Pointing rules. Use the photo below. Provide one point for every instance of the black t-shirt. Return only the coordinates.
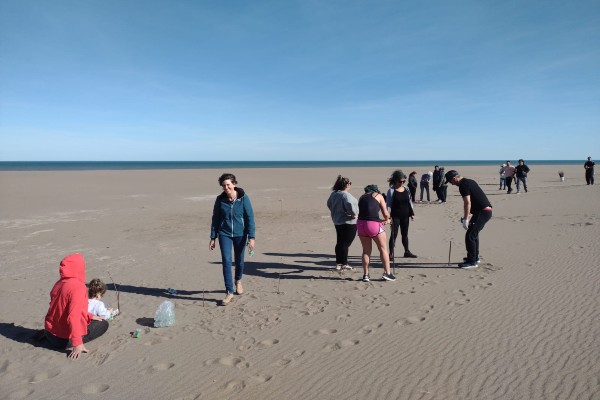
(589, 165)
(401, 204)
(479, 201)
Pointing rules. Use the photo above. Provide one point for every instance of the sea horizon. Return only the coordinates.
(149, 165)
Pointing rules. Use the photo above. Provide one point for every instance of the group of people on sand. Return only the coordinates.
(509, 172)
(368, 215)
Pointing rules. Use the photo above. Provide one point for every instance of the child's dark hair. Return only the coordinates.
(227, 176)
(96, 287)
(341, 183)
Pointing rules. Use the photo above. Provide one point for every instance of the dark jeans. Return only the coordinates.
(589, 176)
(425, 186)
(442, 193)
(522, 179)
(413, 193)
(509, 180)
(345, 236)
(476, 225)
(225, 244)
(403, 224)
(95, 330)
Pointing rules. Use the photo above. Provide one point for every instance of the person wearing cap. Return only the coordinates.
(370, 227)
(521, 171)
(399, 204)
(477, 212)
(589, 171)
(502, 178)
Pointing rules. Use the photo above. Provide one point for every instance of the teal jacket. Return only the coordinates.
(232, 219)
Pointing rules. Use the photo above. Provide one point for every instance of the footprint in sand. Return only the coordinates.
(44, 376)
(247, 344)
(369, 329)
(263, 344)
(459, 302)
(340, 345)
(287, 360)
(92, 388)
(159, 367)
(409, 321)
(229, 361)
(234, 386)
(20, 394)
(343, 317)
(322, 331)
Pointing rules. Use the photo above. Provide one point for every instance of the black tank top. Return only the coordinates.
(400, 204)
(368, 208)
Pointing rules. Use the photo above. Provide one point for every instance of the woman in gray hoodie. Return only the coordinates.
(344, 211)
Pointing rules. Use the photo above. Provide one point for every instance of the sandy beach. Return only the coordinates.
(524, 325)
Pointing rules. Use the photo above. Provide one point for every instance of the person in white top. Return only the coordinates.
(96, 289)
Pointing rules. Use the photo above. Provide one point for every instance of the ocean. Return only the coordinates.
(145, 165)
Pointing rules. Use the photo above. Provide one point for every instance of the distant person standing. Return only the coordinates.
(521, 172)
(589, 171)
(443, 188)
(477, 212)
(502, 178)
(412, 184)
(344, 211)
(425, 179)
(509, 173)
(437, 179)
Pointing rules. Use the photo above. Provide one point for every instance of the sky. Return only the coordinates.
(299, 80)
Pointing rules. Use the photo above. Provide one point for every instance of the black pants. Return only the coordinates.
(95, 330)
(442, 193)
(476, 225)
(589, 176)
(509, 180)
(345, 236)
(403, 223)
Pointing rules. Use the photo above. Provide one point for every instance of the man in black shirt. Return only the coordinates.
(589, 171)
(477, 212)
(521, 172)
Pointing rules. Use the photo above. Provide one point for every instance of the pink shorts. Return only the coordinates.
(368, 228)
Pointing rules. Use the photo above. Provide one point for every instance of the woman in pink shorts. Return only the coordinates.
(370, 227)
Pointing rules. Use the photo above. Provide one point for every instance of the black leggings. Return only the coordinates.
(95, 330)
(403, 222)
(345, 236)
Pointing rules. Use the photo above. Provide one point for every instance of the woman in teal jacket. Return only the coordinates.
(233, 224)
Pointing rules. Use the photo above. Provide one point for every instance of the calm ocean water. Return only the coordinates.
(130, 165)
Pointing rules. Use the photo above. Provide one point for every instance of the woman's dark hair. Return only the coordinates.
(396, 177)
(225, 177)
(341, 183)
(413, 173)
(95, 287)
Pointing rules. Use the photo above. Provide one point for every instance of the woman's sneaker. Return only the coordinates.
(467, 265)
(366, 278)
(388, 277)
(346, 267)
(465, 259)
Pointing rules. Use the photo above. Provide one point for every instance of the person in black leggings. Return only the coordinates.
(399, 202)
(344, 212)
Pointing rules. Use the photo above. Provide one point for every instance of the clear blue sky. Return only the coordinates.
(299, 80)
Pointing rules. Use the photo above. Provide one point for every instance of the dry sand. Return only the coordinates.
(525, 325)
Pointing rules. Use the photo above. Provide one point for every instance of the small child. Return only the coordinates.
(96, 289)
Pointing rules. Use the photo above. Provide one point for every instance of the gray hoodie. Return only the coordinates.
(343, 207)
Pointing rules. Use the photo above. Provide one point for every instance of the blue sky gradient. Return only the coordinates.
(299, 80)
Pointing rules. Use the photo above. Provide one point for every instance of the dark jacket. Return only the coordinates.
(521, 170)
(232, 219)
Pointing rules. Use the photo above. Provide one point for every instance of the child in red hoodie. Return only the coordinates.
(68, 318)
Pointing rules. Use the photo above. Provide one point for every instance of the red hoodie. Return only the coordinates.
(68, 315)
